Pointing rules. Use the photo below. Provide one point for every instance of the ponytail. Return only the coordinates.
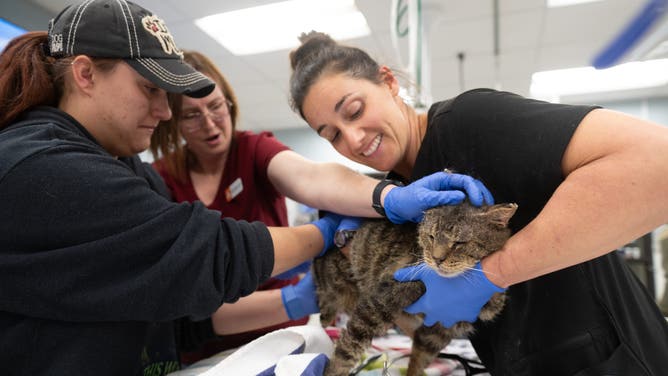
(27, 78)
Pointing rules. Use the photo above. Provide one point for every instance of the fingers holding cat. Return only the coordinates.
(408, 203)
(449, 300)
(300, 300)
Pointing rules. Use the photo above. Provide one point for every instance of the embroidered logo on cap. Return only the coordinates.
(158, 29)
(56, 43)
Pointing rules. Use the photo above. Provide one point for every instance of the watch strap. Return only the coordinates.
(375, 197)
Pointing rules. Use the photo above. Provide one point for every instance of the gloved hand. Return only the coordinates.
(290, 273)
(349, 223)
(327, 226)
(449, 300)
(408, 203)
(346, 230)
(300, 300)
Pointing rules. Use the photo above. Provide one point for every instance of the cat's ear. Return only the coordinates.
(501, 213)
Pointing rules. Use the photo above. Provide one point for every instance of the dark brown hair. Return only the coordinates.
(166, 140)
(30, 77)
(319, 54)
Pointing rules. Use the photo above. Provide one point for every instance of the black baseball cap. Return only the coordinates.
(124, 30)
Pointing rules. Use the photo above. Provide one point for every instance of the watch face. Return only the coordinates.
(341, 237)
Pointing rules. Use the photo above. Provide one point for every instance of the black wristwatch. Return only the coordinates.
(341, 237)
(375, 198)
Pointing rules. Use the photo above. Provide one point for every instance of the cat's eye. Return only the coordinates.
(459, 245)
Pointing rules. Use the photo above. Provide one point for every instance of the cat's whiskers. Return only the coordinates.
(481, 271)
(468, 277)
(419, 268)
(470, 270)
(473, 268)
(467, 271)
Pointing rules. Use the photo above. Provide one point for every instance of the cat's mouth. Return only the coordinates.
(452, 268)
(448, 273)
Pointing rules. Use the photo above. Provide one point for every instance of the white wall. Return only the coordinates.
(654, 109)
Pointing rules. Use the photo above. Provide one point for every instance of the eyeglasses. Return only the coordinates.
(193, 121)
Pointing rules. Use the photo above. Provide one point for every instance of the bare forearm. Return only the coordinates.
(568, 234)
(327, 186)
(258, 310)
(601, 205)
(294, 245)
(344, 191)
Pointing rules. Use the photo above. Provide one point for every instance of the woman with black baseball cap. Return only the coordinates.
(100, 274)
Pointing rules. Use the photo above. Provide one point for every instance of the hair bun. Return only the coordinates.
(318, 36)
(312, 42)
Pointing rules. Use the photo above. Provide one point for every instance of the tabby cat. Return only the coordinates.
(450, 239)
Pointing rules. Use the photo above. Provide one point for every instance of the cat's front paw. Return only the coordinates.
(493, 307)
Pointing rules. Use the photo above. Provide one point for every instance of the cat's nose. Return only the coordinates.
(439, 259)
(438, 255)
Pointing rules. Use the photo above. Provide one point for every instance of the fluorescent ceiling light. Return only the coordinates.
(565, 3)
(277, 26)
(550, 85)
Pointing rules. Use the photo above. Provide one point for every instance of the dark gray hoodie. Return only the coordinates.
(96, 265)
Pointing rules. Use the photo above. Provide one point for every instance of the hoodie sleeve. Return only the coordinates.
(85, 239)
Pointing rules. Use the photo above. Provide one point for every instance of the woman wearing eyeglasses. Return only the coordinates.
(228, 170)
(202, 157)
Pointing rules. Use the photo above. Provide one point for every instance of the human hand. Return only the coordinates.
(327, 226)
(300, 300)
(290, 273)
(449, 300)
(408, 203)
(346, 230)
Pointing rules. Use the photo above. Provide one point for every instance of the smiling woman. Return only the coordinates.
(567, 167)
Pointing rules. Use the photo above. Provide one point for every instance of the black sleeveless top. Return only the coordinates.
(594, 318)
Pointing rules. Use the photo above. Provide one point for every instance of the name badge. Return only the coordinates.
(234, 189)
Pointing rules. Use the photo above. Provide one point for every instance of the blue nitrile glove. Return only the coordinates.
(290, 273)
(299, 300)
(408, 203)
(449, 300)
(327, 226)
(346, 230)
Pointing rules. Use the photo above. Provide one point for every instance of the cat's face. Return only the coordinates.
(454, 238)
